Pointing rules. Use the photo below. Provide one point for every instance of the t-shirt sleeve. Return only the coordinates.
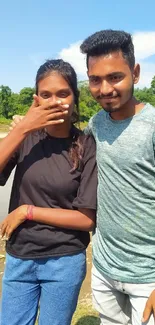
(87, 192)
(4, 175)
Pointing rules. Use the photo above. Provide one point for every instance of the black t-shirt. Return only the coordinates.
(43, 178)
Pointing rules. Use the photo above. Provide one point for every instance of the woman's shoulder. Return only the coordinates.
(87, 140)
(88, 144)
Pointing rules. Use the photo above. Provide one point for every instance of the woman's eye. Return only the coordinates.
(63, 95)
(45, 95)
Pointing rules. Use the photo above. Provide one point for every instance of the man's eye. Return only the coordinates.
(116, 78)
(94, 80)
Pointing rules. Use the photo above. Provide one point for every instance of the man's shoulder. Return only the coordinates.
(101, 114)
(97, 118)
(148, 112)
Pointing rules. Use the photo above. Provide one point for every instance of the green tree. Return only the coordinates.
(5, 96)
(153, 85)
(25, 99)
(14, 104)
(88, 105)
(145, 95)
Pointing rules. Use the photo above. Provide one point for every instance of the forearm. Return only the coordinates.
(69, 219)
(10, 144)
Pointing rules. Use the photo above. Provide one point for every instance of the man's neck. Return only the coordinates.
(130, 109)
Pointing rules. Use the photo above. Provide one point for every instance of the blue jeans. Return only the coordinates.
(53, 284)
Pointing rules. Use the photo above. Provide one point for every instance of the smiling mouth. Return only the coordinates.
(109, 98)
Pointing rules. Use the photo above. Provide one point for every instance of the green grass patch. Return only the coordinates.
(85, 315)
(83, 125)
(4, 121)
(4, 124)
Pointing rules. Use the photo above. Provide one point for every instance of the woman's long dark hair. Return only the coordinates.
(69, 74)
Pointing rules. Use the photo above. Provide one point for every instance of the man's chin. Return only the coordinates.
(112, 106)
(111, 109)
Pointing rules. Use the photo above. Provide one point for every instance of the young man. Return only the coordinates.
(123, 275)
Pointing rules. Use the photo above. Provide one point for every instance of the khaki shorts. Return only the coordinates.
(117, 302)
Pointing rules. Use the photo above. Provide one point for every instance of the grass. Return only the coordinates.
(83, 125)
(4, 121)
(85, 315)
(4, 124)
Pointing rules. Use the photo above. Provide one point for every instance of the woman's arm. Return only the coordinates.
(9, 145)
(36, 118)
(84, 219)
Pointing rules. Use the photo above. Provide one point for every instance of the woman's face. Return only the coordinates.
(55, 88)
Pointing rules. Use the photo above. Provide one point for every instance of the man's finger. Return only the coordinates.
(147, 312)
(17, 119)
(13, 124)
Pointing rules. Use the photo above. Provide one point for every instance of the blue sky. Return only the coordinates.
(32, 31)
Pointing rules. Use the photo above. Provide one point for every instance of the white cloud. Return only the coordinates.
(144, 43)
(146, 75)
(73, 55)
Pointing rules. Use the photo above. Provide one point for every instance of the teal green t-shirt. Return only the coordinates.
(124, 240)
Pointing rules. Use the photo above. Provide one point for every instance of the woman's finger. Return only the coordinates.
(3, 228)
(35, 102)
(54, 122)
(8, 232)
(57, 115)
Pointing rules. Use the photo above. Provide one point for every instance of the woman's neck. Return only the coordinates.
(59, 131)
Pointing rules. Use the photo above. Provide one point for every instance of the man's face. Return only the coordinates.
(111, 80)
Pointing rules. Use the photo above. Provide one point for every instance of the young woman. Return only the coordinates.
(52, 205)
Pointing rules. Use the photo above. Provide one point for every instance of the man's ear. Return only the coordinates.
(136, 73)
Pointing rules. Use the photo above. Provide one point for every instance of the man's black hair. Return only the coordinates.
(108, 41)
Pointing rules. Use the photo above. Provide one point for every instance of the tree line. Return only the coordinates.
(18, 103)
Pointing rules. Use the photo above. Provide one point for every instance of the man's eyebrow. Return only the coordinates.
(108, 75)
(115, 73)
(94, 76)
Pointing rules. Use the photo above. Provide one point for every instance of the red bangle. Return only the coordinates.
(29, 215)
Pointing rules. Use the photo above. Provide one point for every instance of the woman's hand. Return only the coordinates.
(40, 116)
(12, 221)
